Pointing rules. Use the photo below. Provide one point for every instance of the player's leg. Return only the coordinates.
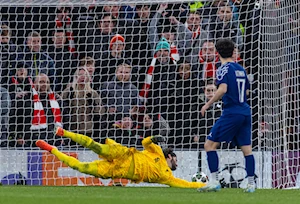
(244, 141)
(250, 167)
(211, 144)
(213, 165)
(82, 140)
(109, 151)
(212, 158)
(223, 130)
(83, 167)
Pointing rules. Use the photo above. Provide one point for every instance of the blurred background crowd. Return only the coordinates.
(120, 71)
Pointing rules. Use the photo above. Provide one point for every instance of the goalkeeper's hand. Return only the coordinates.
(157, 138)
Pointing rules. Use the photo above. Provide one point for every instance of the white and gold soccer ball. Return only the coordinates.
(200, 177)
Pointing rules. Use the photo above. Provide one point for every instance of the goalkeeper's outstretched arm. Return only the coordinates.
(180, 183)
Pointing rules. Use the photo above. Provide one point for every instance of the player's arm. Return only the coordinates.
(222, 89)
(218, 95)
(180, 183)
(148, 144)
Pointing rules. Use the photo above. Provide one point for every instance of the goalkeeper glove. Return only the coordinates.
(157, 138)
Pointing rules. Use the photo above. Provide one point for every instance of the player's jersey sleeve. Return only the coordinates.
(151, 147)
(221, 75)
(180, 183)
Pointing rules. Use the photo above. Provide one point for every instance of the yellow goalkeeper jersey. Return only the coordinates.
(150, 166)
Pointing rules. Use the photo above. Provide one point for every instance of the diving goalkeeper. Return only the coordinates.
(151, 165)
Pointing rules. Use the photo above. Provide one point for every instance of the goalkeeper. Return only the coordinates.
(150, 165)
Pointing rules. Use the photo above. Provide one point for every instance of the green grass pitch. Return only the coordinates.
(143, 195)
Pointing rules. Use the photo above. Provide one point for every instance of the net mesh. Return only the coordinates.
(279, 89)
(131, 69)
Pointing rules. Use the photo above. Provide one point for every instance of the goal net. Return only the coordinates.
(129, 69)
(279, 90)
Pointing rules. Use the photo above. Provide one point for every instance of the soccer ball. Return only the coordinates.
(200, 177)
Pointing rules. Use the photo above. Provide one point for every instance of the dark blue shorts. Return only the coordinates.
(232, 128)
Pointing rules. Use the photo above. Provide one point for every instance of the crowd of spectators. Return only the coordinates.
(123, 72)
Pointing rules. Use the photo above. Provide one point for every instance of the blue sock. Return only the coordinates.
(250, 168)
(213, 164)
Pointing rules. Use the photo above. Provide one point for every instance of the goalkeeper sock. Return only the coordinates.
(86, 142)
(213, 164)
(250, 168)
